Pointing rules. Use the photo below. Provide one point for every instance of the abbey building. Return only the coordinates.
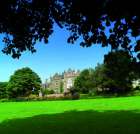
(60, 83)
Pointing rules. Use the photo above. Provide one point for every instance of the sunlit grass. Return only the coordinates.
(112, 116)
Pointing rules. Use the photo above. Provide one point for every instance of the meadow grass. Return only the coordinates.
(93, 116)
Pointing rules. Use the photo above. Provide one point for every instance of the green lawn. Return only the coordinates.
(92, 116)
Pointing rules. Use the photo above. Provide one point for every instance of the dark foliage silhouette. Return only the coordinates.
(23, 22)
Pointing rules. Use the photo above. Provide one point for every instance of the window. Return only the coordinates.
(69, 83)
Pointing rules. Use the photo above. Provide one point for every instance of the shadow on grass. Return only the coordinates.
(76, 122)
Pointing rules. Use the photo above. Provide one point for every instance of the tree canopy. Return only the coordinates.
(109, 22)
(83, 83)
(23, 82)
(3, 91)
(119, 71)
(115, 75)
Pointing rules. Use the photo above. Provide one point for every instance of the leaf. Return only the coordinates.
(138, 55)
(137, 47)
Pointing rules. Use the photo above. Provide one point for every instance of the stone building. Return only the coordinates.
(69, 77)
(63, 81)
(55, 82)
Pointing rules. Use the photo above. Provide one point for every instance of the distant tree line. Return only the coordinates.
(115, 75)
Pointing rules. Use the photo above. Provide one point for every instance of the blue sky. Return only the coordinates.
(56, 56)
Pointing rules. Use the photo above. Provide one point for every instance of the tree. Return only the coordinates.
(61, 87)
(119, 71)
(113, 22)
(116, 74)
(23, 82)
(83, 82)
(3, 89)
(90, 20)
(99, 78)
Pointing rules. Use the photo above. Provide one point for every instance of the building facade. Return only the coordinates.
(62, 82)
(55, 83)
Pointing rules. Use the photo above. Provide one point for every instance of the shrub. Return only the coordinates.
(48, 91)
(73, 92)
(4, 100)
(136, 93)
(75, 96)
(137, 88)
(58, 97)
(32, 97)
